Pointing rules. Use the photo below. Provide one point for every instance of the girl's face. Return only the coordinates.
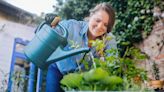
(98, 24)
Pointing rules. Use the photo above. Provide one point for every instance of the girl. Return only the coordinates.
(100, 23)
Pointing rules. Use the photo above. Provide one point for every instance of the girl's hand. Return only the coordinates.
(55, 22)
(52, 19)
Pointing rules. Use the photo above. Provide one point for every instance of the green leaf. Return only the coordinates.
(72, 80)
(113, 80)
(95, 74)
(125, 43)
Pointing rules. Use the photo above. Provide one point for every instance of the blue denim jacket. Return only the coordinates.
(78, 35)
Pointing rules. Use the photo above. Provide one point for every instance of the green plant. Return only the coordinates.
(95, 79)
(110, 73)
(3, 80)
(18, 81)
(155, 71)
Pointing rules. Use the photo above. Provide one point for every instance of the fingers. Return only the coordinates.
(55, 21)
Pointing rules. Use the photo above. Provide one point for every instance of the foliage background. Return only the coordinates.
(134, 18)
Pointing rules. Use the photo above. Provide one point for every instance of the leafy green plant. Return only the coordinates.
(134, 20)
(18, 81)
(95, 79)
(111, 73)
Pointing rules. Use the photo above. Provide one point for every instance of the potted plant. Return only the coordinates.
(156, 83)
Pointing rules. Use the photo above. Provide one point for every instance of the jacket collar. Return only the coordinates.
(84, 29)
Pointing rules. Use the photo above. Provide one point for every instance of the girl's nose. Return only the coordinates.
(100, 25)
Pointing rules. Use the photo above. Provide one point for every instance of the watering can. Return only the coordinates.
(47, 46)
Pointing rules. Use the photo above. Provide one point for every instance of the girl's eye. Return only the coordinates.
(97, 20)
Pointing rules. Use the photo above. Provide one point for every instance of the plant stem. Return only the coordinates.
(94, 88)
(92, 59)
(78, 65)
(127, 49)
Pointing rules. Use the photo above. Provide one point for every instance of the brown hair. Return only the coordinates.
(106, 7)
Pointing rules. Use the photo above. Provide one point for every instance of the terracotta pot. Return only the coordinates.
(160, 57)
(157, 84)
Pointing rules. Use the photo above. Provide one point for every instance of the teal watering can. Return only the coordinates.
(47, 46)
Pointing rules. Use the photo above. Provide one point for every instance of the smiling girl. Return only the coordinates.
(100, 23)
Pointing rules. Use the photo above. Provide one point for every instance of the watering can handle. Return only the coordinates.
(65, 31)
(39, 26)
(54, 24)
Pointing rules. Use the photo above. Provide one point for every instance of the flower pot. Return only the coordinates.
(157, 84)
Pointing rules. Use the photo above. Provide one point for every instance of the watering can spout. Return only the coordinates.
(60, 54)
